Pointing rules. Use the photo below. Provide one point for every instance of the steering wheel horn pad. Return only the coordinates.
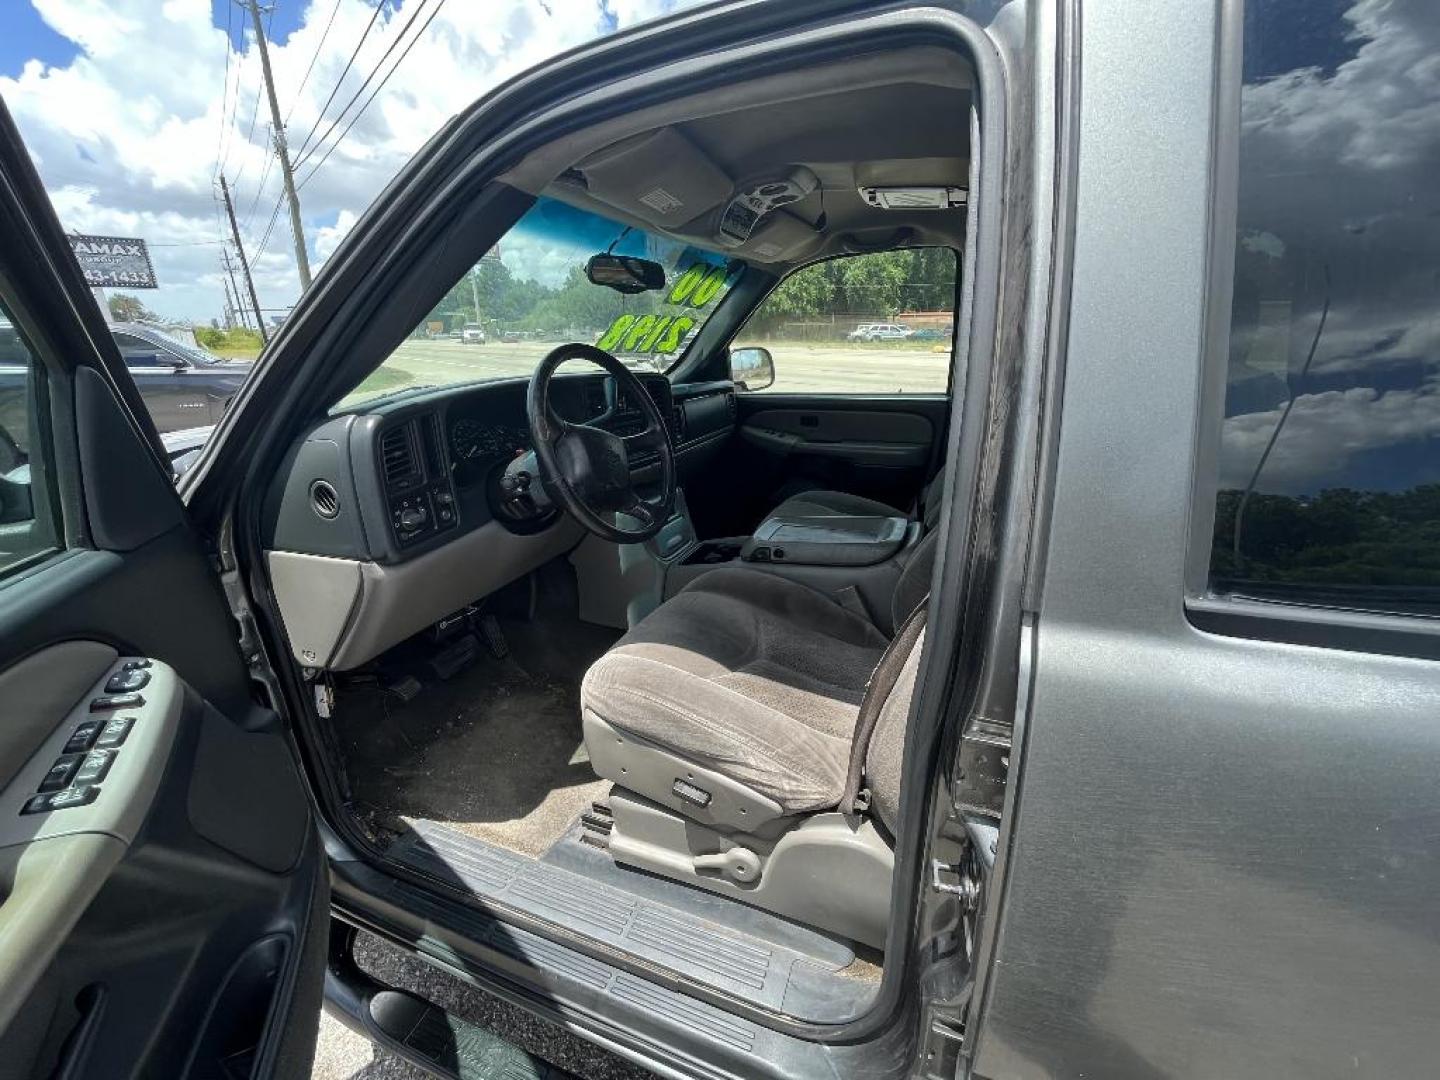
(587, 468)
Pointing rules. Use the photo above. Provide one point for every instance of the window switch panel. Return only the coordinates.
(62, 772)
(79, 795)
(94, 767)
(114, 733)
(118, 701)
(83, 737)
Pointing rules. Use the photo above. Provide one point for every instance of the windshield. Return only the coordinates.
(530, 293)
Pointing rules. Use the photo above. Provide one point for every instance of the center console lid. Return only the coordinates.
(827, 539)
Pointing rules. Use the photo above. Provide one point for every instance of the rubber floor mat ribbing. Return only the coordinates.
(761, 972)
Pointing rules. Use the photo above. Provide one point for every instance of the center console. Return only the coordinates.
(827, 539)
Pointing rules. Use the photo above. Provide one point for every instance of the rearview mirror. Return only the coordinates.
(752, 368)
(625, 273)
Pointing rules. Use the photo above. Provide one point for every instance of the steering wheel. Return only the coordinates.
(586, 468)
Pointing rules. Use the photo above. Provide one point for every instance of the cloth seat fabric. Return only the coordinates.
(749, 674)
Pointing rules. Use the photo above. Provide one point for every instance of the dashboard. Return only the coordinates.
(391, 517)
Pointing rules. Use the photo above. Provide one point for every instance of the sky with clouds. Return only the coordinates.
(1339, 212)
(127, 108)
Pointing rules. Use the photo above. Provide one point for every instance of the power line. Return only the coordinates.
(320, 116)
(318, 48)
(225, 91)
(375, 71)
(418, 35)
(259, 190)
(270, 228)
(234, 111)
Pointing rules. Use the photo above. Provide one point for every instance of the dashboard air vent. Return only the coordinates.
(324, 499)
(397, 456)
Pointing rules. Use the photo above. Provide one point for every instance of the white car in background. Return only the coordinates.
(879, 332)
(473, 334)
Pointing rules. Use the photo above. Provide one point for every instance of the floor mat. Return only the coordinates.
(494, 752)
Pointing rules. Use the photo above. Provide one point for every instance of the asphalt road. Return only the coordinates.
(799, 368)
(340, 1054)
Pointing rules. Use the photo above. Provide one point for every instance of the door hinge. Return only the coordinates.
(251, 646)
(944, 1041)
(983, 768)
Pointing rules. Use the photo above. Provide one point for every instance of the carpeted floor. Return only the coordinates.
(494, 751)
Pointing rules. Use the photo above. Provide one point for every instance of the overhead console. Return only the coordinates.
(664, 179)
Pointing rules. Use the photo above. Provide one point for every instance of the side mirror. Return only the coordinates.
(752, 368)
(625, 273)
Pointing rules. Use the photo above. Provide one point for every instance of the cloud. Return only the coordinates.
(126, 135)
(1339, 206)
(1328, 435)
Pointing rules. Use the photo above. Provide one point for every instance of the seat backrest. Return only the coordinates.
(914, 583)
(886, 748)
(931, 499)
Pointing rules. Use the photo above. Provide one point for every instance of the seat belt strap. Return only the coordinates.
(877, 692)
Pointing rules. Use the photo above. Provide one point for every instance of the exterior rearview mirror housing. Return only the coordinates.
(752, 368)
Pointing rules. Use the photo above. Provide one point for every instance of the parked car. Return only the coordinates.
(1074, 718)
(473, 334)
(879, 332)
(182, 385)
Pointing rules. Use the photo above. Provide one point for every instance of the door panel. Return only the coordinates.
(163, 894)
(883, 448)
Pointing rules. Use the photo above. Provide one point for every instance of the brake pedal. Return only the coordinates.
(494, 637)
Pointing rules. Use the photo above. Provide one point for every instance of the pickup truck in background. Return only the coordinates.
(182, 385)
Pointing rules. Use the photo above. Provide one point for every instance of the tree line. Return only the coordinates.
(1341, 537)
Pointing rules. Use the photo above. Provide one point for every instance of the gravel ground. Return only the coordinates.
(340, 1054)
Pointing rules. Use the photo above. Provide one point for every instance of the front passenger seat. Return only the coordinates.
(735, 702)
(753, 730)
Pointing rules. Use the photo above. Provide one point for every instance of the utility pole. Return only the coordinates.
(232, 293)
(229, 307)
(244, 265)
(301, 259)
(475, 294)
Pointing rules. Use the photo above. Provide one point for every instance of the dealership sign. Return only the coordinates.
(114, 262)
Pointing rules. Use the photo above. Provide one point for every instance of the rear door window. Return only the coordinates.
(1329, 485)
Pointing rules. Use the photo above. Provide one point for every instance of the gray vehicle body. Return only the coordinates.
(1147, 828)
(183, 386)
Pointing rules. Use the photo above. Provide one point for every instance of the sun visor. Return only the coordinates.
(659, 177)
(780, 237)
